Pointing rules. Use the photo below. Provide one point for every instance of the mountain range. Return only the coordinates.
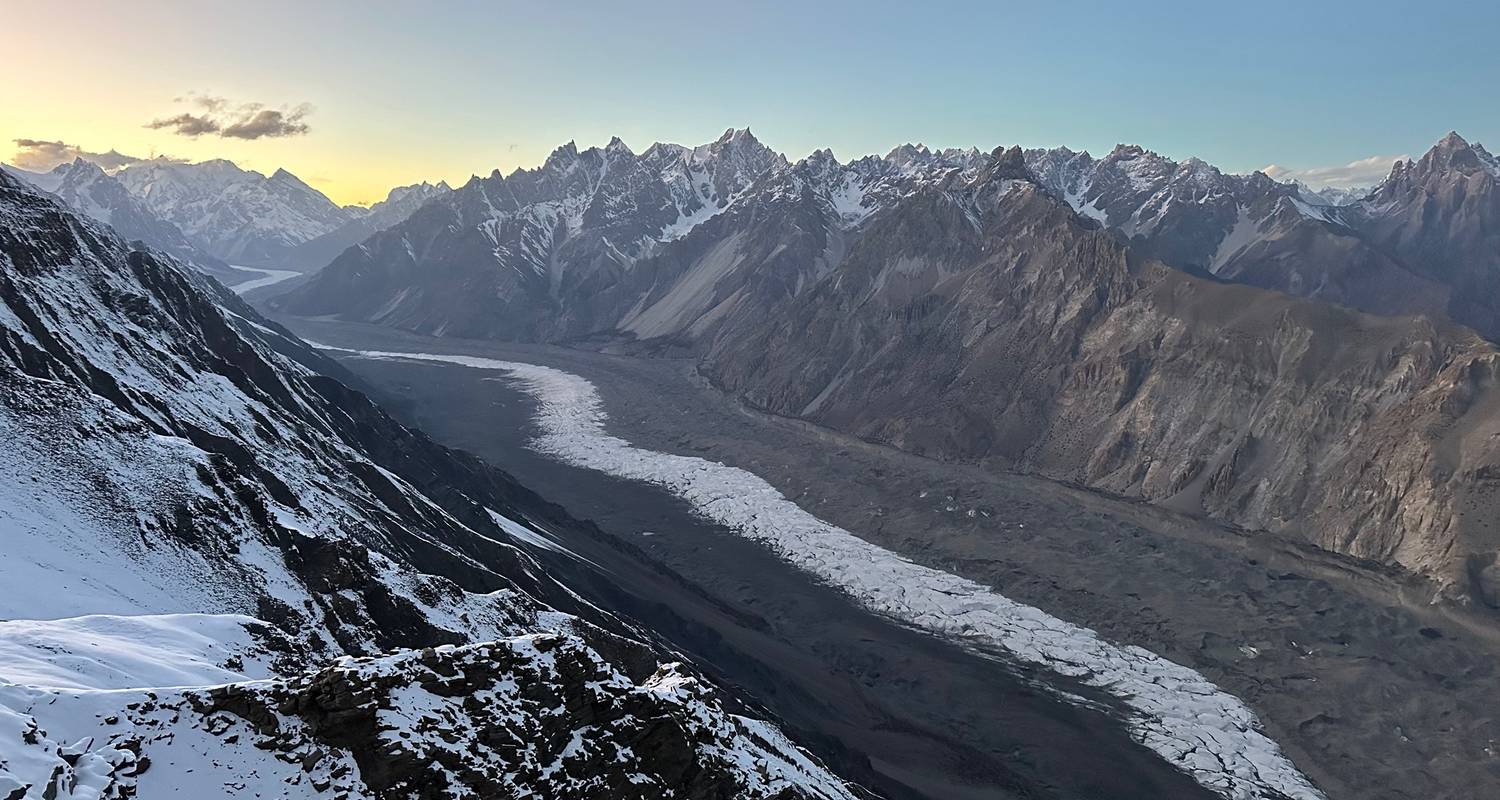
(88, 189)
(1222, 344)
(213, 213)
(228, 573)
(239, 215)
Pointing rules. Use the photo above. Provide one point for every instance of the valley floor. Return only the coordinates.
(1371, 695)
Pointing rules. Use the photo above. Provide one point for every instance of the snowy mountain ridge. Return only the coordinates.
(238, 215)
(94, 192)
(196, 517)
(399, 204)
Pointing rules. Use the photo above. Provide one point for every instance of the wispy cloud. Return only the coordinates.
(229, 120)
(40, 155)
(1355, 174)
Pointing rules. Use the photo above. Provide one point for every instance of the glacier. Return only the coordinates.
(1173, 710)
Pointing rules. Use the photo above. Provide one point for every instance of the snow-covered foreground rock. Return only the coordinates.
(1174, 711)
(541, 715)
(223, 573)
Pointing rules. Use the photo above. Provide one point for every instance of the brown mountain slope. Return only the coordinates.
(989, 322)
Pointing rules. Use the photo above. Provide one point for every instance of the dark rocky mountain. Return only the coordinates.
(170, 451)
(509, 255)
(1423, 241)
(235, 214)
(1440, 215)
(315, 254)
(1043, 311)
(986, 321)
(86, 187)
(1244, 228)
(602, 240)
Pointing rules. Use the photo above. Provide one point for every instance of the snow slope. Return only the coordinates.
(225, 574)
(126, 652)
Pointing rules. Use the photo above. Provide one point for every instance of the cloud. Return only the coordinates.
(40, 155)
(269, 122)
(234, 121)
(206, 101)
(186, 125)
(1356, 174)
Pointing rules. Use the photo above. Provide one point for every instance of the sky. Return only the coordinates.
(357, 97)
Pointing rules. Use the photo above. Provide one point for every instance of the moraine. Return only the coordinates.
(1169, 709)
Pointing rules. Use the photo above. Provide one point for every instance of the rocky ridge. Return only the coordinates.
(170, 450)
(1045, 311)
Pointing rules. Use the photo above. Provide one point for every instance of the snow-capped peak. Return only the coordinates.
(236, 214)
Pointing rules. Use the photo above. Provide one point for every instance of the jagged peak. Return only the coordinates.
(660, 150)
(738, 136)
(822, 156)
(617, 146)
(1195, 166)
(1007, 163)
(1125, 152)
(904, 154)
(1452, 141)
(1454, 152)
(283, 175)
(564, 152)
(79, 166)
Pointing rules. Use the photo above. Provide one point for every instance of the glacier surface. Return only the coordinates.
(1174, 711)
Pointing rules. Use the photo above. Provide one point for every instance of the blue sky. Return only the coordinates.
(406, 91)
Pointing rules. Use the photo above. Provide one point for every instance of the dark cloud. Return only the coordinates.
(40, 155)
(186, 125)
(269, 122)
(235, 121)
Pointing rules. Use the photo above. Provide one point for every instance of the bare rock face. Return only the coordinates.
(989, 323)
(1441, 215)
(1127, 322)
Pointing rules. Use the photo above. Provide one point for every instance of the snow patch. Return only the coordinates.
(115, 652)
